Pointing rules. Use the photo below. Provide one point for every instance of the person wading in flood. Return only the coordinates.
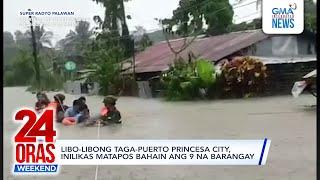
(42, 102)
(58, 106)
(109, 114)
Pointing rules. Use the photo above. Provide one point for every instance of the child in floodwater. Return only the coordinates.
(42, 102)
(109, 114)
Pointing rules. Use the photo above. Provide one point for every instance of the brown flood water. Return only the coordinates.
(289, 124)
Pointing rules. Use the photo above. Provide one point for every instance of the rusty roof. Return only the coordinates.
(159, 56)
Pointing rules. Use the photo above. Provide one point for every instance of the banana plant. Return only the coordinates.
(206, 72)
(184, 80)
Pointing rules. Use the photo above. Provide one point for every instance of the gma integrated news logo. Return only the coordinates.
(34, 143)
(283, 17)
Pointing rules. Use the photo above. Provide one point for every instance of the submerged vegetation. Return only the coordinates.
(240, 77)
(187, 81)
(243, 77)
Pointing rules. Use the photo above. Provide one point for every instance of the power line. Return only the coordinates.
(206, 1)
(130, 36)
(249, 15)
(234, 6)
(243, 5)
(155, 29)
(126, 36)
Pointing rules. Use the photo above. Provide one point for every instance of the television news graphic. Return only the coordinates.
(37, 152)
(283, 17)
(35, 143)
(162, 152)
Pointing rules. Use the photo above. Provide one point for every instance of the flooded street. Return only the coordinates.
(289, 124)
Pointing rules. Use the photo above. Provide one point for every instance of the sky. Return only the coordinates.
(142, 12)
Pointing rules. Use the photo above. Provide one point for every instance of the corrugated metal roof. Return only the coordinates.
(159, 56)
(285, 60)
(86, 71)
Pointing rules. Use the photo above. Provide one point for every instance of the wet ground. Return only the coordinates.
(290, 124)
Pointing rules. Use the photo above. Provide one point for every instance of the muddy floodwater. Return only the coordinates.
(290, 123)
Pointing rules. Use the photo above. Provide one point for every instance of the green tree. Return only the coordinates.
(9, 49)
(114, 13)
(43, 49)
(191, 15)
(310, 10)
(255, 24)
(141, 38)
(188, 81)
(75, 41)
(144, 42)
(104, 58)
(23, 71)
(43, 38)
(8, 39)
(22, 39)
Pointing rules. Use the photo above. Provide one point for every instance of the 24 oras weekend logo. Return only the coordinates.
(34, 143)
(283, 17)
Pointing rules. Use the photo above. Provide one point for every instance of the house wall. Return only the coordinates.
(154, 83)
(281, 77)
(146, 76)
(263, 48)
(283, 46)
(304, 46)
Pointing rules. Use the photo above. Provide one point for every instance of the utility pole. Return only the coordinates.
(133, 60)
(35, 54)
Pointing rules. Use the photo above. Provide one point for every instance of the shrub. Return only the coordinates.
(243, 77)
(184, 81)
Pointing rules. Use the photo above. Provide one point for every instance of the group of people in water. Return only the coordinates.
(79, 111)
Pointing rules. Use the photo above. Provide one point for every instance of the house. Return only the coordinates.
(81, 87)
(284, 55)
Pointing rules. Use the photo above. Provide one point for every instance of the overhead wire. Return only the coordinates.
(235, 6)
